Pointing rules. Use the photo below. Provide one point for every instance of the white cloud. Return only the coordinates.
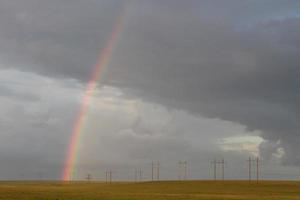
(242, 143)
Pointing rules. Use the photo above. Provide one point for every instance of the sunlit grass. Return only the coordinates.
(228, 190)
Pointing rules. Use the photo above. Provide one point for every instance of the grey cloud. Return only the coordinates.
(18, 95)
(247, 75)
(61, 38)
(34, 132)
(233, 60)
(123, 143)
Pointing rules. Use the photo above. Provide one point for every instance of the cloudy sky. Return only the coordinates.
(188, 80)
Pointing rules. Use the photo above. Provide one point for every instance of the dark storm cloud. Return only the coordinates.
(57, 38)
(234, 60)
(218, 68)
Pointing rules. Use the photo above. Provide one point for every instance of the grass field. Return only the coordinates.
(270, 190)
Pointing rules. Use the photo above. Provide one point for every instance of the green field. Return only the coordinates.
(157, 190)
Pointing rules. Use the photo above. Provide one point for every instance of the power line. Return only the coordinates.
(257, 169)
(88, 177)
(182, 174)
(108, 176)
(216, 165)
(256, 161)
(152, 171)
(157, 171)
(141, 175)
(135, 175)
(138, 175)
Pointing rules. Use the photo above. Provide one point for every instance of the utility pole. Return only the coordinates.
(155, 171)
(182, 175)
(152, 172)
(223, 163)
(179, 170)
(249, 168)
(158, 165)
(138, 175)
(215, 168)
(216, 165)
(184, 170)
(257, 169)
(108, 176)
(141, 175)
(89, 177)
(256, 161)
(72, 176)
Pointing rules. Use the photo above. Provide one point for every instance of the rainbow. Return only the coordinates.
(80, 121)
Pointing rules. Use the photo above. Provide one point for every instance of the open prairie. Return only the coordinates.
(226, 190)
